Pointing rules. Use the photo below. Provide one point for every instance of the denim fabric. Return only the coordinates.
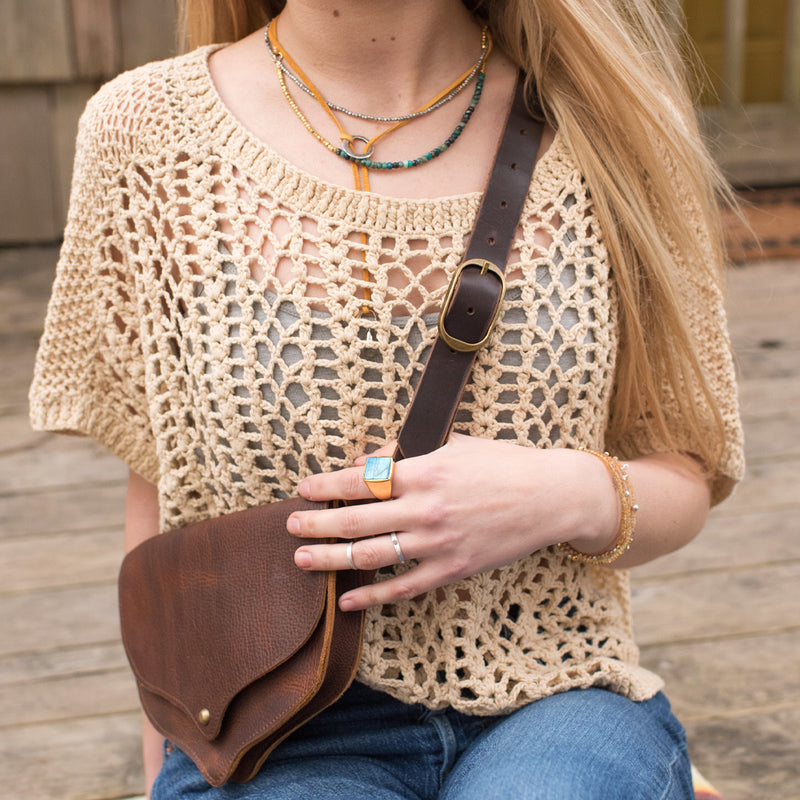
(585, 744)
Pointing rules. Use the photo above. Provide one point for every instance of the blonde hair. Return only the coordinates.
(610, 77)
(207, 21)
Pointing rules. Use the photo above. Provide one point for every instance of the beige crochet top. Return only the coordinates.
(204, 326)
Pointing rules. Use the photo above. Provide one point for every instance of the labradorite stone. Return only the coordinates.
(378, 468)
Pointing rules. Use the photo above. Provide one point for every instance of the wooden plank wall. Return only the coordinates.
(53, 56)
(55, 53)
(750, 50)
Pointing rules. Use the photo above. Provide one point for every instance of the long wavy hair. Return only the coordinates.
(612, 79)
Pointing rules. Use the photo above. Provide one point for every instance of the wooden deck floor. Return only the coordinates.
(720, 620)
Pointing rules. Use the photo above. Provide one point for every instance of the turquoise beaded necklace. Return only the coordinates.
(363, 161)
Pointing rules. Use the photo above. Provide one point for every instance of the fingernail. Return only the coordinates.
(293, 525)
(303, 559)
(304, 490)
(346, 603)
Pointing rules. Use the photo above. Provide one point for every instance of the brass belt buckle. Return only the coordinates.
(485, 267)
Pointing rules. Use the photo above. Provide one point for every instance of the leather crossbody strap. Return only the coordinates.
(474, 298)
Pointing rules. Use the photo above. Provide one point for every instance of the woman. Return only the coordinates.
(241, 314)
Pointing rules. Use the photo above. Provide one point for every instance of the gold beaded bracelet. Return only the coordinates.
(627, 523)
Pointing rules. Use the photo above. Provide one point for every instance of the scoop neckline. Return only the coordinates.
(298, 187)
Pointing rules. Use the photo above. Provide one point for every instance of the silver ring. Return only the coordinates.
(349, 555)
(357, 156)
(396, 545)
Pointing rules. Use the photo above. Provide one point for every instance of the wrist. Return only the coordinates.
(611, 509)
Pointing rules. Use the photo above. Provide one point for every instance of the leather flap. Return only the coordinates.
(222, 566)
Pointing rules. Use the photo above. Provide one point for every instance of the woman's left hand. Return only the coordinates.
(470, 506)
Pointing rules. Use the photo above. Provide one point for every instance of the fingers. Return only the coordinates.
(366, 528)
(368, 554)
(344, 484)
(376, 553)
(350, 522)
(406, 586)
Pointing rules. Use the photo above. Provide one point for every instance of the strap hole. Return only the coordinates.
(490, 240)
(513, 166)
(503, 204)
(470, 311)
(523, 132)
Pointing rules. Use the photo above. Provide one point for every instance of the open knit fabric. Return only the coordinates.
(204, 326)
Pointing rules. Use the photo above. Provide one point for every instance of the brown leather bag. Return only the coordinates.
(233, 647)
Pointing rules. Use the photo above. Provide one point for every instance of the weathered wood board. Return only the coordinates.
(719, 620)
(34, 41)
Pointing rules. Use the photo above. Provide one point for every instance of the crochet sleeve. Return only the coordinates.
(702, 300)
(89, 378)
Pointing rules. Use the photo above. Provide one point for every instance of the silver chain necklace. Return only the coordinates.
(453, 93)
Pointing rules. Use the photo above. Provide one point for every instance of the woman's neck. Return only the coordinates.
(385, 55)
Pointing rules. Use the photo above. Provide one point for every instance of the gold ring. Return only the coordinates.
(378, 476)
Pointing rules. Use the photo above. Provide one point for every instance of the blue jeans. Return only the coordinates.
(585, 744)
